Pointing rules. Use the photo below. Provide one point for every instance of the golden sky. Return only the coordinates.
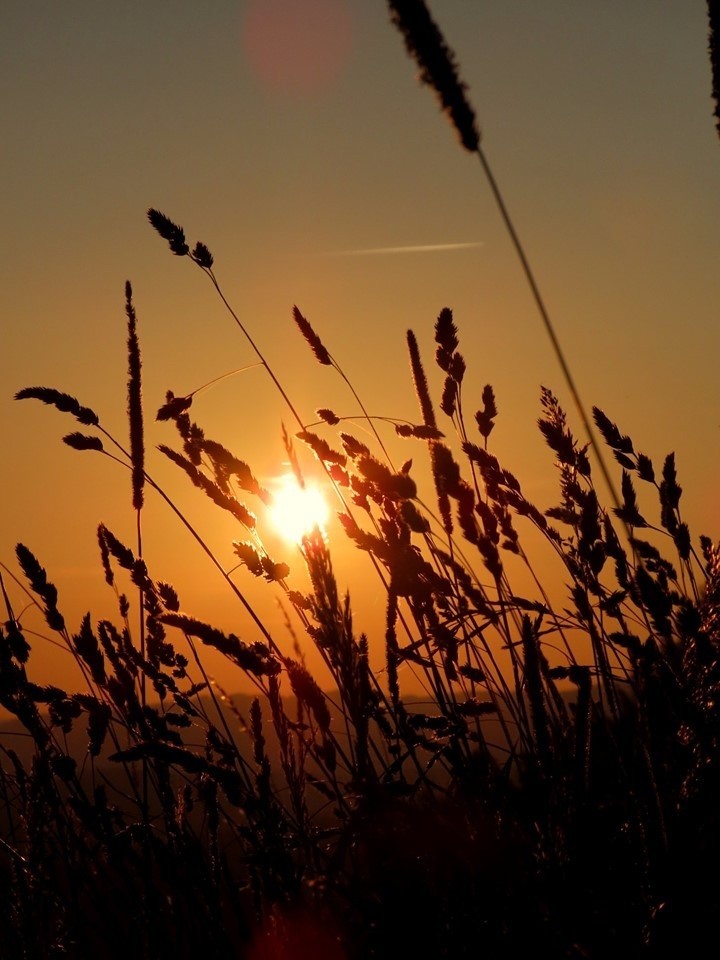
(294, 140)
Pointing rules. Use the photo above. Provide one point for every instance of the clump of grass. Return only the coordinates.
(562, 759)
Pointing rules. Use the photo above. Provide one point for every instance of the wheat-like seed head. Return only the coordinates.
(426, 45)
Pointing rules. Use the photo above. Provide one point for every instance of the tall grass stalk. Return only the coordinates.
(427, 46)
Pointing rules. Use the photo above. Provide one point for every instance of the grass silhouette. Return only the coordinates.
(555, 789)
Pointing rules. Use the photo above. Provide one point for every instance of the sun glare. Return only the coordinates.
(295, 512)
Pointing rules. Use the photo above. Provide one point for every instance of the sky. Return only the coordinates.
(294, 139)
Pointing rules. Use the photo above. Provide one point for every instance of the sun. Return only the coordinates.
(296, 511)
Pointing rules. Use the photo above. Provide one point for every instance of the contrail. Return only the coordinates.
(423, 248)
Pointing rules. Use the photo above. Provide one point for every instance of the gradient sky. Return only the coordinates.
(292, 137)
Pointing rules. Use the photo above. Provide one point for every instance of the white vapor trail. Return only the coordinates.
(422, 248)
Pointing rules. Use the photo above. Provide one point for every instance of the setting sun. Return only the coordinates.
(296, 511)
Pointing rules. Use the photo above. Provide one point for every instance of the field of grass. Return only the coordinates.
(555, 788)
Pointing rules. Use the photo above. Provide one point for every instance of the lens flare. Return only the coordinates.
(297, 49)
(296, 511)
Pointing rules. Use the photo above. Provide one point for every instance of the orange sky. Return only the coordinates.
(292, 146)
